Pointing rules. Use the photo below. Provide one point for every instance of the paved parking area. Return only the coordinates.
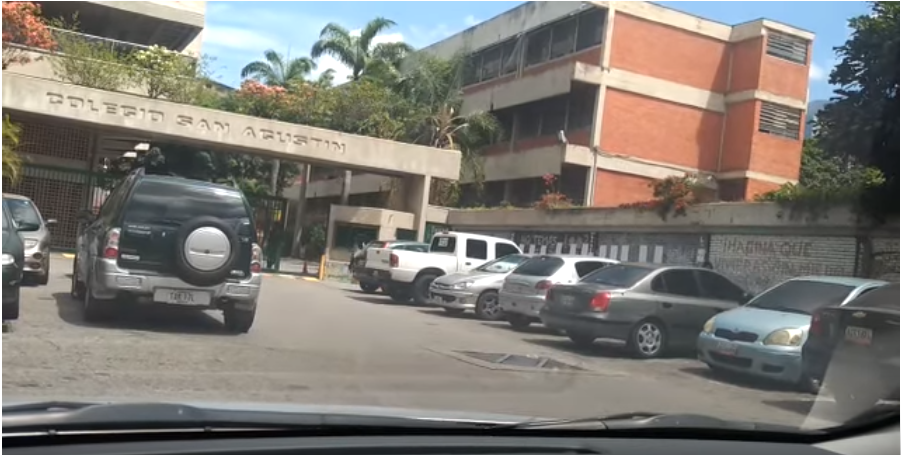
(328, 344)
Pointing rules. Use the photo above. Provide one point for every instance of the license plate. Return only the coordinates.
(726, 348)
(567, 301)
(181, 297)
(859, 335)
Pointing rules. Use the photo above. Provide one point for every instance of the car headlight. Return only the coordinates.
(708, 326)
(30, 243)
(8, 259)
(463, 285)
(784, 337)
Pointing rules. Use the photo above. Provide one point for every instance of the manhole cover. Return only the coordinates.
(521, 361)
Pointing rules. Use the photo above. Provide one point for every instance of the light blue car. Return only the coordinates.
(764, 337)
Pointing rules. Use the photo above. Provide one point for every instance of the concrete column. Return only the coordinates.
(508, 191)
(590, 181)
(345, 187)
(417, 189)
(330, 233)
(301, 207)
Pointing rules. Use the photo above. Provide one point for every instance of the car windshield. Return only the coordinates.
(618, 275)
(543, 209)
(802, 296)
(24, 213)
(505, 264)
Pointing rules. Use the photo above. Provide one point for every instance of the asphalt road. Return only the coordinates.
(327, 344)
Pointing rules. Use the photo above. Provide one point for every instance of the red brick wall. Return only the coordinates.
(612, 189)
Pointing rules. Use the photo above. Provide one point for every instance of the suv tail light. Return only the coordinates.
(600, 302)
(543, 286)
(256, 259)
(111, 249)
(394, 261)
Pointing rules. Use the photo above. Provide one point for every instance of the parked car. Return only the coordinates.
(174, 241)
(365, 276)
(476, 289)
(13, 264)
(409, 274)
(764, 337)
(651, 308)
(523, 293)
(35, 233)
(853, 349)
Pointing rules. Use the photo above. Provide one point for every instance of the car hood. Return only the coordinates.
(459, 277)
(760, 321)
(374, 411)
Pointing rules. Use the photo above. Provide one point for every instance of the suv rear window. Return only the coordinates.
(155, 201)
(540, 266)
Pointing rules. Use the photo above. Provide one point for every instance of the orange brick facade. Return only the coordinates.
(665, 126)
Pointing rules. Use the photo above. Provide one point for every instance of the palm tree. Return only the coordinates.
(357, 52)
(276, 70)
(326, 79)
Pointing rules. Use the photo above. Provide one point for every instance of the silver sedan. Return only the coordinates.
(476, 289)
(35, 233)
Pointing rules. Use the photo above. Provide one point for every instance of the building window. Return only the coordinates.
(538, 48)
(780, 120)
(528, 121)
(786, 47)
(591, 28)
(491, 63)
(581, 108)
(505, 120)
(472, 69)
(563, 38)
(511, 55)
(553, 113)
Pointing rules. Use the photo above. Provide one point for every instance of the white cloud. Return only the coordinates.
(470, 20)
(817, 73)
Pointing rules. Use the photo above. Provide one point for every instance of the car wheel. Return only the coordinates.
(581, 339)
(421, 288)
(398, 295)
(238, 320)
(95, 310)
(77, 288)
(518, 321)
(648, 339)
(11, 309)
(44, 277)
(369, 288)
(488, 307)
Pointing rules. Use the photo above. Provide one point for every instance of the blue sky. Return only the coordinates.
(239, 32)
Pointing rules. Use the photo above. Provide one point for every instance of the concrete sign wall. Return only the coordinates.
(223, 130)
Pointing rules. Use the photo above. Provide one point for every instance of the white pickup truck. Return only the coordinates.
(408, 274)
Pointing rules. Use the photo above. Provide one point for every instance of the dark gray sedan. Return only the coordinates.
(651, 308)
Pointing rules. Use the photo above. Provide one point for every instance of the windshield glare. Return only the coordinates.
(503, 265)
(801, 296)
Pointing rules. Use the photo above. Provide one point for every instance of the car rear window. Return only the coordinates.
(801, 296)
(621, 276)
(443, 244)
(155, 201)
(540, 266)
(885, 298)
(24, 213)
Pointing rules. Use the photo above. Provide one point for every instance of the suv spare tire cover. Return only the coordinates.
(207, 249)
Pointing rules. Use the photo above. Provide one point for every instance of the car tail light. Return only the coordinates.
(816, 324)
(543, 286)
(600, 302)
(256, 259)
(111, 249)
(394, 261)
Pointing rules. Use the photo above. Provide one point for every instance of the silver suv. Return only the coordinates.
(171, 241)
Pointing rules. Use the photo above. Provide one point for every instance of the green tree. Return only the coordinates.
(276, 70)
(862, 119)
(90, 62)
(358, 51)
(12, 161)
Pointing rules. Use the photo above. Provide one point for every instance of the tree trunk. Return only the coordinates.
(273, 183)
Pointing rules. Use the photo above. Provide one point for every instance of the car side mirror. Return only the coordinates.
(746, 297)
(86, 216)
(50, 222)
